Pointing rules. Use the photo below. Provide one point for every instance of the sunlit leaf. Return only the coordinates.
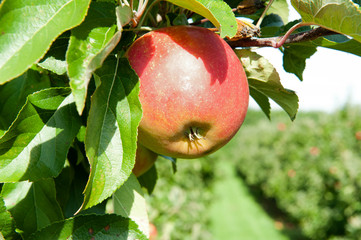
(129, 202)
(216, 11)
(342, 16)
(124, 13)
(28, 27)
(90, 43)
(36, 144)
(263, 77)
(54, 65)
(91, 227)
(7, 224)
(111, 134)
(33, 205)
(54, 59)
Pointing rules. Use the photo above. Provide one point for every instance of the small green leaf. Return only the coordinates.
(294, 58)
(129, 202)
(280, 7)
(28, 27)
(262, 101)
(111, 134)
(13, 95)
(271, 21)
(7, 225)
(90, 43)
(124, 13)
(216, 11)
(263, 77)
(342, 16)
(91, 227)
(54, 59)
(36, 144)
(54, 65)
(149, 179)
(33, 205)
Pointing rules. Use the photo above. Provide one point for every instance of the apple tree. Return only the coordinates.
(70, 107)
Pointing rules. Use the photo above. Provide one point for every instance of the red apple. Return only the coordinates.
(144, 160)
(193, 91)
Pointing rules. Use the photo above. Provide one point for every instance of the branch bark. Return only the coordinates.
(274, 41)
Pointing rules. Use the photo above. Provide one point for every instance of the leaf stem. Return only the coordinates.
(259, 22)
(140, 28)
(142, 4)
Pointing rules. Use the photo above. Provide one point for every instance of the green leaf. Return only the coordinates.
(216, 11)
(342, 16)
(350, 45)
(32, 204)
(54, 65)
(36, 144)
(54, 59)
(91, 227)
(271, 21)
(111, 134)
(63, 183)
(28, 27)
(129, 202)
(124, 13)
(90, 43)
(69, 187)
(74, 195)
(280, 7)
(263, 77)
(294, 58)
(149, 179)
(13, 95)
(262, 101)
(7, 225)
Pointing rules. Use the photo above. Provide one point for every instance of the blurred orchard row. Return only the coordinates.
(301, 179)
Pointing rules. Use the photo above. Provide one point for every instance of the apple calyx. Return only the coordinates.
(193, 134)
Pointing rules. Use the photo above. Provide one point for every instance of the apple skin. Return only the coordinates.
(193, 91)
(144, 160)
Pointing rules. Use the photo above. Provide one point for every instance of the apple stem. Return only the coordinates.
(193, 134)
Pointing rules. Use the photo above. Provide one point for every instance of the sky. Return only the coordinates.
(331, 78)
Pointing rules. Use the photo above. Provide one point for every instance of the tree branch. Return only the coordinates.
(275, 41)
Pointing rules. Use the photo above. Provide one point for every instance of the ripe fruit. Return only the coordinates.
(144, 160)
(193, 91)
